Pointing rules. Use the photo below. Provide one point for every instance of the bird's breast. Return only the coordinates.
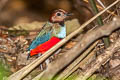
(60, 32)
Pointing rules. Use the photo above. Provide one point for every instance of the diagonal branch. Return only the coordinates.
(76, 51)
(101, 59)
(75, 65)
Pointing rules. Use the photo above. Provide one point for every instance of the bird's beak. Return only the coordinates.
(69, 14)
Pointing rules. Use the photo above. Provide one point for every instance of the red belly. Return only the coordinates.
(42, 48)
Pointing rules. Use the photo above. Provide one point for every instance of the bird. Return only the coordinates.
(53, 31)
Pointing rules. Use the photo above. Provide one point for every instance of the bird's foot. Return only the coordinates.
(47, 61)
(42, 66)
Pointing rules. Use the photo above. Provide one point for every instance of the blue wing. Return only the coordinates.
(43, 36)
(39, 41)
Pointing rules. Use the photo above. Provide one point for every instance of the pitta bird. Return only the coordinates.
(51, 33)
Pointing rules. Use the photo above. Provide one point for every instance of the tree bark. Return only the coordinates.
(76, 51)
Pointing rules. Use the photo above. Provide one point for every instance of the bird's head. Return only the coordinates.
(59, 16)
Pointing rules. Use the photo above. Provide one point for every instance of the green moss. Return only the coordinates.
(18, 32)
(97, 77)
(4, 71)
(93, 77)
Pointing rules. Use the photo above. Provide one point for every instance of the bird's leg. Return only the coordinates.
(55, 54)
(41, 65)
(47, 61)
(58, 51)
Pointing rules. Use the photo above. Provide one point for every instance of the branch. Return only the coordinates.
(75, 65)
(24, 71)
(101, 59)
(72, 54)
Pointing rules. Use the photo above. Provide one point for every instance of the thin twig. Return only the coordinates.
(99, 20)
(108, 11)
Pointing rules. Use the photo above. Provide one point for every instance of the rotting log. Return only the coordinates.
(75, 65)
(101, 59)
(88, 39)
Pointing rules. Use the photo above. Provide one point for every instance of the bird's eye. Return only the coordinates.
(58, 14)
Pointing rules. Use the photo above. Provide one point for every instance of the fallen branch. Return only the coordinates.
(77, 69)
(101, 59)
(74, 66)
(72, 54)
(114, 73)
(24, 71)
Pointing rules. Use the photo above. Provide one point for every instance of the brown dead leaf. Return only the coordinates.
(70, 44)
(114, 63)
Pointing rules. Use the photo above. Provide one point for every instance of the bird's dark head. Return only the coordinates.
(59, 16)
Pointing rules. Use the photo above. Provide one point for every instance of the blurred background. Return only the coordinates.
(13, 12)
